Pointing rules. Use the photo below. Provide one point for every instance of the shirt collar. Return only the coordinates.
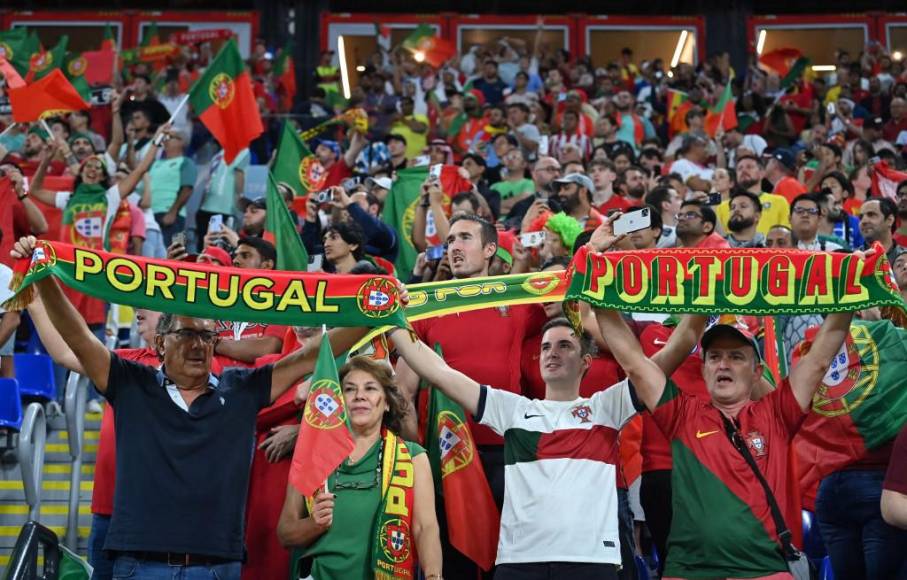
(163, 380)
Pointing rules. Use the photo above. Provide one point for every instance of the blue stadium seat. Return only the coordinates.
(35, 373)
(10, 405)
(642, 568)
(813, 545)
(825, 571)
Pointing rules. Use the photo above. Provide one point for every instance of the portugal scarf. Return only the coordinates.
(86, 221)
(393, 554)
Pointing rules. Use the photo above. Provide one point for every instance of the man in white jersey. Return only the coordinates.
(560, 496)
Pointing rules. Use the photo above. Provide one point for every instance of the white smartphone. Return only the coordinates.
(543, 145)
(632, 222)
(216, 223)
(421, 161)
(532, 239)
(315, 263)
(434, 172)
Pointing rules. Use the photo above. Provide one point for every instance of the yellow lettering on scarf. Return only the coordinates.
(257, 300)
(852, 290)
(704, 270)
(741, 279)
(778, 281)
(294, 295)
(320, 291)
(634, 278)
(162, 283)
(818, 286)
(114, 268)
(192, 277)
(214, 293)
(87, 263)
(668, 287)
(600, 274)
(470, 290)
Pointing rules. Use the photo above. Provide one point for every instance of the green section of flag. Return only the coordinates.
(795, 72)
(17, 46)
(78, 81)
(411, 42)
(56, 57)
(151, 36)
(72, 567)
(290, 152)
(291, 253)
(400, 211)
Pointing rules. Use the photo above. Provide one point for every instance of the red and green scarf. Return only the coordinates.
(393, 549)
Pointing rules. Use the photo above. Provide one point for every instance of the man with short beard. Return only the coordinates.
(28, 160)
(775, 209)
(632, 185)
(745, 213)
(696, 227)
(574, 191)
(877, 219)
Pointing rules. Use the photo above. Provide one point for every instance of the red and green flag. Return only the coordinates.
(109, 42)
(780, 60)
(45, 61)
(74, 70)
(51, 96)
(461, 482)
(13, 78)
(861, 404)
(678, 105)
(426, 46)
(296, 167)
(223, 100)
(17, 45)
(324, 440)
(723, 114)
(285, 73)
(151, 36)
(95, 67)
(280, 227)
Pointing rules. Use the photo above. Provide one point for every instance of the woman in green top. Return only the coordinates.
(350, 530)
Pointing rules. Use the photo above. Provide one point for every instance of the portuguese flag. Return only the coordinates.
(12, 76)
(434, 49)
(324, 439)
(18, 46)
(281, 228)
(151, 36)
(296, 167)
(861, 404)
(285, 73)
(223, 100)
(45, 61)
(460, 481)
(723, 114)
(74, 70)
(779, 60)
(109, 42)
(50, 96)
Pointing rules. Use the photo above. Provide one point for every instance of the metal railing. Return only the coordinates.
(30, 453)
(74, 401)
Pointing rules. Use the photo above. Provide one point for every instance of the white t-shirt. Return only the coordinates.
(6, 276)
(89, 227)
(561, 487)
(687, 169)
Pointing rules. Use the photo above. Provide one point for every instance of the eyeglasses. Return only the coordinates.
(552, 169)
(806, 211)
(187, 334)
(689, 215)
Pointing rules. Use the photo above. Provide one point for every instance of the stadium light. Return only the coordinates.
(897, 55)
(344, 74)
(824, 68)
(419, 56)
(760, 43)
(678, 50)
(360, 68)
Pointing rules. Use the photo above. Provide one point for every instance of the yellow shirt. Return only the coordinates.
(775, 212)
(415, 142)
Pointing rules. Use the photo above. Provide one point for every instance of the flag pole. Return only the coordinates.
(50, 133)
(8, 128)
(179, 108)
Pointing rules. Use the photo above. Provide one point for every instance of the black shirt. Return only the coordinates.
(182, 477)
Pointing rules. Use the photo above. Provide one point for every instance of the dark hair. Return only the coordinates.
(488, 233)
(366, 267)
(381, 371)
(603, 163)
(658, 196)
(581, 240)
(845, 183)
(478, 159)
(655, 217)
(521, 106)
(562, 261)
(105, 181)
(351, 233)
(708, 214)
(758, 161)
(740, 192)
(834, 148)
(467, 196)
(805, 197)
(586, 344)
(265, 249)
(142, 76)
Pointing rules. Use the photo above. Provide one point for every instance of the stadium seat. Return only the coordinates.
(642, 568)
(10, 405)
(825, 571)
(813, 545)
(35, 373)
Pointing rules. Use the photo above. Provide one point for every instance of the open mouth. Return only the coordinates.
(724, 380)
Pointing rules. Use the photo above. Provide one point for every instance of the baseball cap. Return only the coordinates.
(731, 331)
(259, 202)
(785, 157)
(332, 145)
(874, 123)
(217, 255)
(382, 182)
(577, 178)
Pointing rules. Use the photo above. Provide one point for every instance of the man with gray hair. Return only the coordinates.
(172, 180)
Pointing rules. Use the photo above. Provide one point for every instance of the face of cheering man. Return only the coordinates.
(186, 348)
(562, 362)
(730, 369)
(466, 251)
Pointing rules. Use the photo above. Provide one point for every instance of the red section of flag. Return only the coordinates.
(12, 76)
(51, 95)
(885, 180)
(779, 60)
(99, 66)
(237, 124)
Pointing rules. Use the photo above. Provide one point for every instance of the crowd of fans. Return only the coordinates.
(550, 143)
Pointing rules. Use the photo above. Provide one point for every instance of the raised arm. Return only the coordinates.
(37, 223)
(431, 367)
(680, 344)
(128, 184)
(291, 369)
(426, 531)
(646, 376)
(117, 136)
(806, 376)
(56, 346)
(37, 182)
(69, 323)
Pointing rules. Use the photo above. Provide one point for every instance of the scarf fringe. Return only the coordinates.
(23, 296)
